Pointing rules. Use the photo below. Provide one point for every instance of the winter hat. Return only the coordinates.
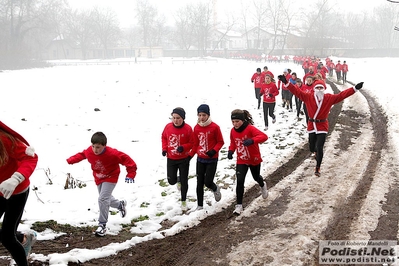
(319, 83)
(204, 108)
(180, 111)
(258, 69)
(285, 70)
(29, 150)
(238, 116)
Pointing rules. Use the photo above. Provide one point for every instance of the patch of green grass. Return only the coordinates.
(144, 205)
(141, 218)
(128, 226)
(160, 214)
(164, 194)
(163, 183)
(56, 227)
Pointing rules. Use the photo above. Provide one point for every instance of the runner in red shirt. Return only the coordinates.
(257, 80)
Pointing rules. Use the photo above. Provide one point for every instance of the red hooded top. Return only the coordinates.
(22, 158)
(105, 166)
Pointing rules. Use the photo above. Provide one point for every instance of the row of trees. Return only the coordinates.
(28, 26)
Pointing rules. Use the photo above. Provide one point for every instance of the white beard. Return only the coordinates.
(319, 94)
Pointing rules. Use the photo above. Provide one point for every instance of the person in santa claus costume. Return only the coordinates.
(318, 105)
(17, 163)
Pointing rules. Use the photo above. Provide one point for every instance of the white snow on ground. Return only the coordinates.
(53, 109)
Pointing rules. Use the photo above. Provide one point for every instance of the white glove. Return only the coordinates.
(8, 186)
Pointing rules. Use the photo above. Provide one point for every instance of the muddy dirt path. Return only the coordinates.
(355, 198)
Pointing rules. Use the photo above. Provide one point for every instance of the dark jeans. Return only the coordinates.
(268, 110)
(241, 172)
(338, 75)
(257, 95)
(298, 105)
(205, 175)
(316, 144)
(289, 99)
(344, 76)
(173, 166)
(12, 210)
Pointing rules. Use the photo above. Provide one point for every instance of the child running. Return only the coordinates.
(105, 162)
(208, 140)
(245, 139)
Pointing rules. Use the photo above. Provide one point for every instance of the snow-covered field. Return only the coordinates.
(54, 109)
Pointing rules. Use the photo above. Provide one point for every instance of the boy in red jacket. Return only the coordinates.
(105, 162)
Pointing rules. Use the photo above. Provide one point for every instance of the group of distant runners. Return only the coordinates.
(309, 93)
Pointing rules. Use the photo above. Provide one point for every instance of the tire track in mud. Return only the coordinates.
(349, 210)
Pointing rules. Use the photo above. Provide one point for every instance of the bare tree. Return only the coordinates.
(132, 37)
(316, 25)
(277, 21)
(146, 16)
(244, 18)
(259, 16)
(395, 2)
(226, 28)
(79, 29)
(185, 27)
(202, 18)
(285, 15)
(385, 18)
(159, 30)
(106, 27)
(26, 24)
(152, 25)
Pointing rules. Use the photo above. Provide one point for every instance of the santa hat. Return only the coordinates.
(29, 150)
(319, 83)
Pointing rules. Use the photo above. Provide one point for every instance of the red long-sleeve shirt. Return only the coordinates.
(173, 137)
(105, 166)
(247, 154)
(257, 79)
(207, 138)
(267, 89)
